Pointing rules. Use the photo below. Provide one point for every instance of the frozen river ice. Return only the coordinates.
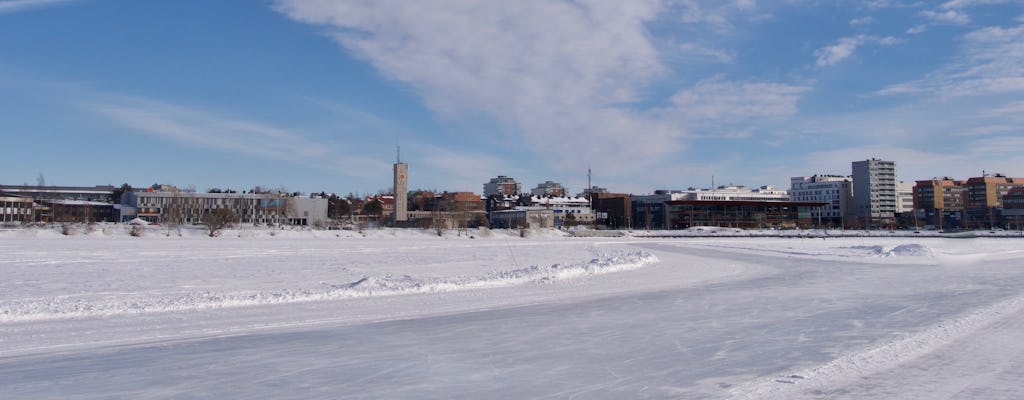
(401, 315)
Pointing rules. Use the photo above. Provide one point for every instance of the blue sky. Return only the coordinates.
(315, 95)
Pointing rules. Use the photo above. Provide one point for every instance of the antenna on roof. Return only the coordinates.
(398, 154)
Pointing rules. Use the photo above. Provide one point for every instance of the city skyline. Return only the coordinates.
(314, 96)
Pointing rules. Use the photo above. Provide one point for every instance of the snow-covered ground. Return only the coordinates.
(298, 314)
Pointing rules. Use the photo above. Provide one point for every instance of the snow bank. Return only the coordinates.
(56, 308)
(903, 250)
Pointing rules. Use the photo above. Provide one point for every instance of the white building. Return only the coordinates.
(251, 208)
(874, 190)
(905, 197)
(306, 211)
(832, 189)
(736, 193)
(563, 207)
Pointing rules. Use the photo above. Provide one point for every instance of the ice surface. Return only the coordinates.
(408, 314)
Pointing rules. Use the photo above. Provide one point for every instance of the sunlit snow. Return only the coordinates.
(298, 314)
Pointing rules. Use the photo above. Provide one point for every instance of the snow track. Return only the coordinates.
(57, 308)
(877, 358)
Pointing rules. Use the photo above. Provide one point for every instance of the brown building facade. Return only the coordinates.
(939, 202)
(983, 199)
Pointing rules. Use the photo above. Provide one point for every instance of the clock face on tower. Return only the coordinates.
(401, 176)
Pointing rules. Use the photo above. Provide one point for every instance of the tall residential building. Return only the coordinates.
(502, 185)
(834, 190)
(401, 212)
(983, 198)
(874, 190)
(549, 188)
(939, 202)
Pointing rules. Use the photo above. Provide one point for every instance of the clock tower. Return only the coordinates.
(401, 213)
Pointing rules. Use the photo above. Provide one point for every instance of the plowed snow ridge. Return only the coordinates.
(878, 357)
(57, 308)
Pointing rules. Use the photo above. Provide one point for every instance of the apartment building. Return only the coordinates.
(502, 185)
(939, 202)
(983, 199)
(874, 192)
(833, 190)
(549, 188)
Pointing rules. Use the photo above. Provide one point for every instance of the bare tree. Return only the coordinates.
(171, 217)
(217, 219)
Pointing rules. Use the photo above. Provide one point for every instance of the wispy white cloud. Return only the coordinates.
(572, 83)
(13, 6)
(917, 29)
(860, 21)
(719, 101)
(885, 4)
(991, 61)
(956, 4)
(954, 12)
(844, 48)
(561, 79)
(987, 130)
(946, 17)
(1015, 109)
(208, 131)
(717, 13)
(695, 51)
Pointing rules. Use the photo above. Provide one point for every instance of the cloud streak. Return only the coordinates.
(717, 100)
(844, 48)
(203, 130)
(991, 61)
(13, 6)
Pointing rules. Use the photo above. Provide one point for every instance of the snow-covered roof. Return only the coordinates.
(559, 200)
(77, 203)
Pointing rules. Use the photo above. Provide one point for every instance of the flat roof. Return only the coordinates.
(746, 203)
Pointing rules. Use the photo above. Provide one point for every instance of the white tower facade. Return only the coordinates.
(874, 189)
(401, 212)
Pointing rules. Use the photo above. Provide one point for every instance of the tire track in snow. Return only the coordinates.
(878, 357)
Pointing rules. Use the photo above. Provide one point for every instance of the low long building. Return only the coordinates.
(742, 214)
(251, 208)
(652, 211)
